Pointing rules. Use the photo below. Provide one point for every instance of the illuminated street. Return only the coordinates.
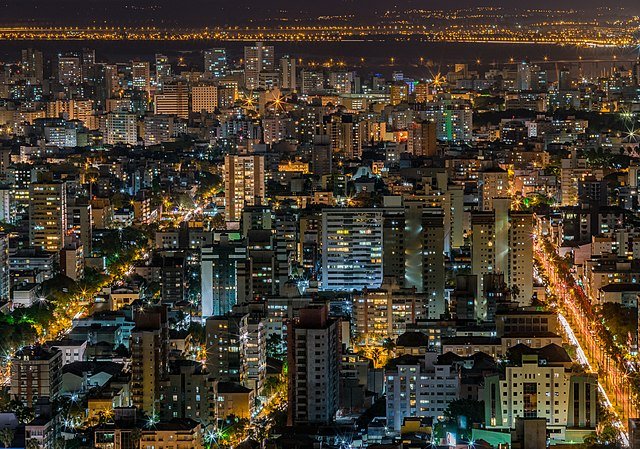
(597, 358)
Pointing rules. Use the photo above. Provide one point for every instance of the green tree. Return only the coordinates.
(24, 414)
(6, 436)
(60, 443)
(619, 320)
(217, 222)
(136, 435)
(197, 332)
(606, 436)
(472, 411)
(275, 347)
(238, 429)
(515, 292)
(389, 344)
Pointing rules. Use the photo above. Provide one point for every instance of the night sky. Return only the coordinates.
(205, 12)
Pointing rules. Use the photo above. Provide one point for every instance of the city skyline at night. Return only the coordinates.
(347, 224)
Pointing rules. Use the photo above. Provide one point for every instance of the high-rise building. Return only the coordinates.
(163, 69)
(5, 161)
(4, 267)
(158, 129)
(262, 261)
(312, 82)
(524, 76)
(483, 242)
(344, 135)
(47, 215)
(539, 81)
(286, 228)
(7, 211)
(141, 76)
(494, 295)
(149, 358)
(419, 386)
(36, 373)
(520, 277)
(493, 183)
(187, 391)
(92, 73)
(342, 82)
(502, 243)
(564, 79)
(422, 92)
(255, 347)
(457, 228)
(215, 62)
(72, 261)
(321, 156)
(275, 128)
(257, 58)
(121, 128)
(173, 100)
(80, 224)
(501, 207)
(257, 218)
(223, 276)
(288, 78)
(32, 64)
(172, 278)
(226, 337)
(111, 80)
(88, 61)
(573, 169)
(82, 110)
(20, 177)
(237, 346)
(433, 273)
(313, 359)
(463, 297)
(268, 80)
(69, 70)
(540, 383)
(204, 98)
(352, 249)
(422, 139)
(413, 252)
(399, 92)
(227, 94)
(63, 135)
(244, 184)
(384, 313)
(454, 120)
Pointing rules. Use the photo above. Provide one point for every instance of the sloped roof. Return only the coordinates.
(412, 340)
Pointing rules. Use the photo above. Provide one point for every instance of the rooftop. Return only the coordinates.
(36, 352)
(232, 387)
(620, 287)
(412, 340)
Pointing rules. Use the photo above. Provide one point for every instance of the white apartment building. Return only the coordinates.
(121, 128)
(351, 249)
(417, 386)
(540, 383)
